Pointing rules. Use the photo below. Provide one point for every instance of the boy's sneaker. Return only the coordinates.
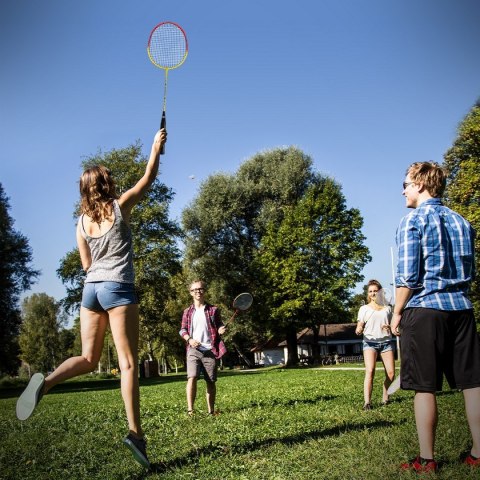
(472, 461)
(30, 397)
(420, 465)
(138, 446)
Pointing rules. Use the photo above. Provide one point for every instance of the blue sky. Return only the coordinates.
(363, 87)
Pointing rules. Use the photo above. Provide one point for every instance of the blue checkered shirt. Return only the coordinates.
(435, 257)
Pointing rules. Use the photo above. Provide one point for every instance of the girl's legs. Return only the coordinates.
(92, 329)
(370, 359)
(388, 360)
(124, 326)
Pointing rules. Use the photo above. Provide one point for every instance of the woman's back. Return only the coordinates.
(110, 244)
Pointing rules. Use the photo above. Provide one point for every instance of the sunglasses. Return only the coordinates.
(406, 184)
(197, 290)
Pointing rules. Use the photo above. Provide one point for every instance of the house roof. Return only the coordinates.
(334, 332)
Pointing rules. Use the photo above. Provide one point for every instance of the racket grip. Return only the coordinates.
(163, 124)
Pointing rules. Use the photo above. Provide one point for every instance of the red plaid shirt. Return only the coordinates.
(214, 322)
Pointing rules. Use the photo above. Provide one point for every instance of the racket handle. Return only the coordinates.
(163, 124)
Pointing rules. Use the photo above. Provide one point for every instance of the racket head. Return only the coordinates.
(394, 386)
(384, 297)
(243, 301)
(167, 45)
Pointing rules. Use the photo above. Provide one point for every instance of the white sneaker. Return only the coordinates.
(30, 397)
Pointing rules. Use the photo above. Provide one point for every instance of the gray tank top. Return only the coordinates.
(112, 253)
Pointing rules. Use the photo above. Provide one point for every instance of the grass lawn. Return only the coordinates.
(274, 424)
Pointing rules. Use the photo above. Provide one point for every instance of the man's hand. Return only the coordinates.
(395, 325)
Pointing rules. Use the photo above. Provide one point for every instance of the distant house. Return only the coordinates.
(333, 338)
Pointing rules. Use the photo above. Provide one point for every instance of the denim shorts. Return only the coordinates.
(379, 347)
(102, 296)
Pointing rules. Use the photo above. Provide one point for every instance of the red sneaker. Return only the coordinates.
(420, 465)
(472, 461)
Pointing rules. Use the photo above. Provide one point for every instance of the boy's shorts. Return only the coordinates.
(201, 361)
(434, 343)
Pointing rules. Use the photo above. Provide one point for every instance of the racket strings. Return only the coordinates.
(167, 46)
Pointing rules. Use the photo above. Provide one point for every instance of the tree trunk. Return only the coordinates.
(316, 345)
(292, 347)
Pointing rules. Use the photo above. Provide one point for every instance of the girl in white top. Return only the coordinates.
(374, 322)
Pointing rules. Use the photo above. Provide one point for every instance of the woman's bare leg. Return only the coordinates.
(370, 359)
(388, 359)
(124, 326)
(92, 329)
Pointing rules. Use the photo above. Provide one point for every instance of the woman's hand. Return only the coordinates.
(159, 140)
(359, 329)
(222, 330)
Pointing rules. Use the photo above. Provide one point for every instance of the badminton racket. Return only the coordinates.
(394, 386)
(384, 297)
(241, 302)
(167, 49)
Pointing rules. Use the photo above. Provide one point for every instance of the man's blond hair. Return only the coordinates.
(431, 175)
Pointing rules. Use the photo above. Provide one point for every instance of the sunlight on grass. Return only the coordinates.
(274, 424)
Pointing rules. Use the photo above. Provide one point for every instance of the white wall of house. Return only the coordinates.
(271, 357)
(304, 350)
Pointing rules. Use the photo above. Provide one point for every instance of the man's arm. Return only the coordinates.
(221, 328)
(402, 296)
(184, 327)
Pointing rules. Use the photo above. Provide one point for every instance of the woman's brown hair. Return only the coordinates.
(97, 191)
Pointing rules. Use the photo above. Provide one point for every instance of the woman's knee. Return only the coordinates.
(127, 365)
(91, 361)
(390, 374)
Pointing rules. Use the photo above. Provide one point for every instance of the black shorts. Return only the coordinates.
(434, 343)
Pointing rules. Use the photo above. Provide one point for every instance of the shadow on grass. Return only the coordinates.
(194, 455)
(86, 385)
(284, 402)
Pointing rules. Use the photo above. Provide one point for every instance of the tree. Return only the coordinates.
(16, 276)
(39, 337)
(462, 162)
(224, 226)
(311, 262)
(156, 253)
(227, 225)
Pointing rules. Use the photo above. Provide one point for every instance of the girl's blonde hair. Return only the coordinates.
(97, 191)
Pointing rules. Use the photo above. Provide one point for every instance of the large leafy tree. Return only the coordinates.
(462, 194)
(312, 260)
(156, 253)
(39, 339)
(224, 226)
(16, 276)
(233, 219)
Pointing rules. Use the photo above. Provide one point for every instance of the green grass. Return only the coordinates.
(274, 424)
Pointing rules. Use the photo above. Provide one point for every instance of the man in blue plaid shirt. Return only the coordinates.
(433, 313)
